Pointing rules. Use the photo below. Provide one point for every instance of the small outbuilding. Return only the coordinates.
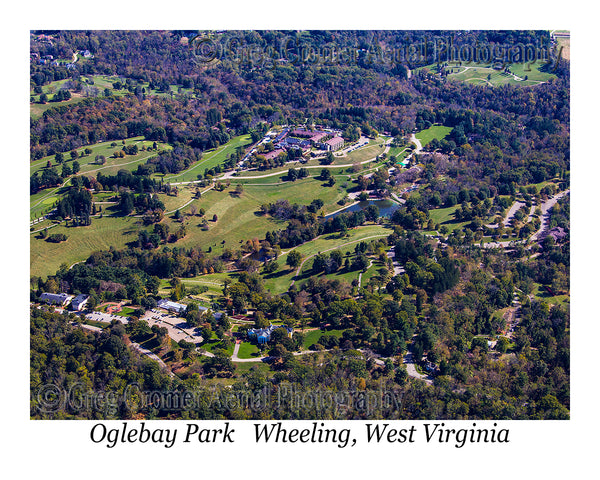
(78, 303)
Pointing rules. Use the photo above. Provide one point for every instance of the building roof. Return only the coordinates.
(79, 300)
(558, 233)
(274, 154)
(266, 332)
(169, 305)
(334, 141)
(318, 136)
(55, 297)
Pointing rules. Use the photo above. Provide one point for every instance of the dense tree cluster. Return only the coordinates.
(451, 302)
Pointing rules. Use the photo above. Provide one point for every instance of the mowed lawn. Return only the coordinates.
(435, 131)
(302, 192)
(88, 165)
(280, 281)
(46, 257)
(312, 336)
(368, 152)
(443, 215)
(487, 75)
(36, 110)
(210, 159)
(239, 218)
(334, 240)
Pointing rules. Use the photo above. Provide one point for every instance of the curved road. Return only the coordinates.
(412, 370)
(545, 207)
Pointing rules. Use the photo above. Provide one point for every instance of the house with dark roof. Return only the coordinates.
(558, 233)
(61, 299)
(281, 135)
(293, 142)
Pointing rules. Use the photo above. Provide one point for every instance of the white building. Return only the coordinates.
(79, 302)
(172, 306)
(334, 143)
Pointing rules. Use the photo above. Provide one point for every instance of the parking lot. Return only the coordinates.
(105, 317)
(177, 327)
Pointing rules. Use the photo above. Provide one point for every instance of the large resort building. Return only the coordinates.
(304, 139)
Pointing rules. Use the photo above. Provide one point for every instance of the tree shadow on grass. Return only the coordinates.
(280, 273)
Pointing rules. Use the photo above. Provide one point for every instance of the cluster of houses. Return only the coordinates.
(50, 60)
(304, 139)
(263, 335)
(77, 303)
(62, 300)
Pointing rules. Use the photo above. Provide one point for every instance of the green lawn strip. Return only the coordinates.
(238, 217)
(125, 312)
(435, 131)
(279, 175)
(540, 185)
(249, 350)
(94, 323)
(280, 281)
(486, 74)
(245, 367)
(42, 206)
(542, 294)
(363, 154)
(311, 337)
(210, 159)
(46, 257)
(50, 88)
(44, 224)
(372, 271)
(531, 71)
(443, 215)
(214, 344)
(238, 220)
(177, 202)
(334, 240)
(302, 191)
(88, 163)
(342, 274)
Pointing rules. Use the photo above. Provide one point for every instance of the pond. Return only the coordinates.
(386, 208)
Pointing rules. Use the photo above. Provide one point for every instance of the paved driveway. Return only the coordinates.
(177, 327)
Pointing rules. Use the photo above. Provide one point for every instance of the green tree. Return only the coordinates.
(66, 171)
(293, 259)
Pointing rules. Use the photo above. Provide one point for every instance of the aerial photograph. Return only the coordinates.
(299, 225)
